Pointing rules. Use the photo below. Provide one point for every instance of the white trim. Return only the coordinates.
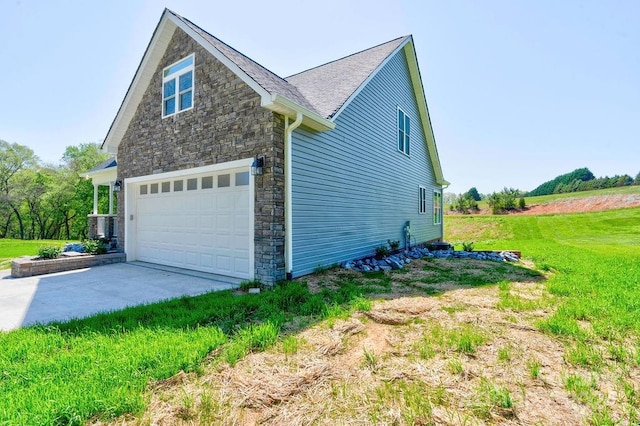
(193, 171)
(141, 79)
(176, 78)
(130, 203)
(288, 108)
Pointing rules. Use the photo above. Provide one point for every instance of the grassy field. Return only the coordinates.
(443, 341)
(544, 199)
(10, 249)
(633, 189)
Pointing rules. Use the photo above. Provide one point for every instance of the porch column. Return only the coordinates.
(95, 199)
(111, 198)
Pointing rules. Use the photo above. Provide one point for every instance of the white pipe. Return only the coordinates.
(288, 212)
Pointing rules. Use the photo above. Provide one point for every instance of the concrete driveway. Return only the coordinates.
(84, 292)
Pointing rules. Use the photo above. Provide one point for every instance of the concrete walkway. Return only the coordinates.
(84, 292)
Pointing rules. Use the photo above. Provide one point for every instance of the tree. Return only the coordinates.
(13, 159)
(76, 198)
(473, 193)
(637, 180)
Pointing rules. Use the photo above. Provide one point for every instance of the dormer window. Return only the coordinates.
(177, 87)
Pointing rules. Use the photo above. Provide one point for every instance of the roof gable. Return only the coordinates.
(276, 94)
(319, 94)
(328, 87)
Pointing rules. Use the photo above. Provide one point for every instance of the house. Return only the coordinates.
(225, 167)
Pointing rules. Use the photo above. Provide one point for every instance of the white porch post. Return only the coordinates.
(95, 199)
(111, 198)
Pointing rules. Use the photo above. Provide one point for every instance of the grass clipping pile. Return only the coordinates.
(461, 357)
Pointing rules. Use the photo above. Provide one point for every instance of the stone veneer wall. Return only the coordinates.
(226, 123)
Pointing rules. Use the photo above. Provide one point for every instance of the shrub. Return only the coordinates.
(503, 201)
(94, 247)
(394, 244)
(382, 251)
(49, 252)
(464, 203)
(467, 246)
(521, 203)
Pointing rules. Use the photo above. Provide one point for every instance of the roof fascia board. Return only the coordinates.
(150, 60)
(103, 176)
(416, 81)
(282, 105)
(368, 79)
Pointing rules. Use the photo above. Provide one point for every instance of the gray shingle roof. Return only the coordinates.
(329, 86)
(323, 89)
(265, 78)
(111, 162)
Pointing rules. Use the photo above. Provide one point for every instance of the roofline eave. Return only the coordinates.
(281, 105)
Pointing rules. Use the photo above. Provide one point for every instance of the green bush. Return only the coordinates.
(521, 203)
(465, 204)
(467, 246)
(49, 252)
(394, 244)
(503, 201)
(382, 251)
(94, 247)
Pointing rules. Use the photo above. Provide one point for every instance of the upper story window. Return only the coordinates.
(404, 129)
(177, 87)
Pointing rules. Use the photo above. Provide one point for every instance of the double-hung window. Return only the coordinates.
(437, 207)
(177, 87)
(404, 129)
(422, 200)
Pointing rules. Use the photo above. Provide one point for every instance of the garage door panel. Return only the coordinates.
(202, 229)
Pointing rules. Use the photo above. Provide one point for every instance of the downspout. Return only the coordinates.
(288, 212)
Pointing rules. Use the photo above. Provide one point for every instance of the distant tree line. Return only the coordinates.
(45, 201)
(582, 180)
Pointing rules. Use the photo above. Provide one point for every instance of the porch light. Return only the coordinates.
(117, 186)
(257, 165)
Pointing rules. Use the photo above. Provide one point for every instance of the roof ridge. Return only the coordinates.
(347, 56)
(227, 45)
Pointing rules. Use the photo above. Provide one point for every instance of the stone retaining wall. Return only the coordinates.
(29, 266)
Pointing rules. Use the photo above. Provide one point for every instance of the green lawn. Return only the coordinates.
(10, 249)
(102, 367)
(595, 257)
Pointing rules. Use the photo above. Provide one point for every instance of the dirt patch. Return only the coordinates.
(462, 357)
(594, 203)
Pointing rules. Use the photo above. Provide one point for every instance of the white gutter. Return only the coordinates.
(288, 213)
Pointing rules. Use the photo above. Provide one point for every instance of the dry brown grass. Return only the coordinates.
(400, 363)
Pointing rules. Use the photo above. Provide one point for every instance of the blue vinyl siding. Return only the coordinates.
(352, 188)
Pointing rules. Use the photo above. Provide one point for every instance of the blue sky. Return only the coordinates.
(519, 91)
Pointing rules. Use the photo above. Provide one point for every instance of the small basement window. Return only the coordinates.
(177, 87)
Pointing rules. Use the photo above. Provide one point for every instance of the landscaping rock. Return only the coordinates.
(397, 260)
(77, 247)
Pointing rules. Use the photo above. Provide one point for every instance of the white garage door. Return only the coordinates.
(200, 222)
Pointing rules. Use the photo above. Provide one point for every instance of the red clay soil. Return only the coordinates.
(594, 203)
